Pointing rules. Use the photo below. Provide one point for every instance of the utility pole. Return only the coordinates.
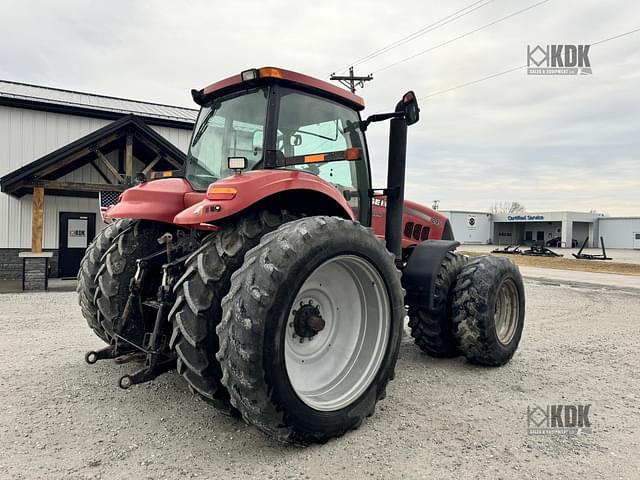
(351, 81)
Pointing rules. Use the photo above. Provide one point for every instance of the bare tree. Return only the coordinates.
(507, 207)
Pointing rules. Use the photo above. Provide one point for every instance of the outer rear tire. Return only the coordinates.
(118, 266)
(199, 294)
(89, 266)
(255, 328)
(433, 329)
(489, 309)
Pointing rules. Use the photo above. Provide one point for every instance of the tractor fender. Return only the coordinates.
(418, 277)
(158, 200)
(287, 190)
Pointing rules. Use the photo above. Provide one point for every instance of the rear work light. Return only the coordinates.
(249, 75)
(221, 193)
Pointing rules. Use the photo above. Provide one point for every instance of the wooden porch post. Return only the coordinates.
(37, 219)
(128, 156)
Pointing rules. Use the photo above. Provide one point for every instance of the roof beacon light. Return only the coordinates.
(270, 72)
(249, 75)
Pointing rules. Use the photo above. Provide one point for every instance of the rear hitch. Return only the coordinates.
(131, 341)
(157, 359)
(110, 352)
(147, 373)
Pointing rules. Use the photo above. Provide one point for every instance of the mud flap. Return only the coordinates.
(418, 278)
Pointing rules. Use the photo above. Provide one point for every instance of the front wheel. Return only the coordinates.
(311, 329)
(488, 310)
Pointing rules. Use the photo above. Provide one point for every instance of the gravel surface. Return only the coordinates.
(62, 418)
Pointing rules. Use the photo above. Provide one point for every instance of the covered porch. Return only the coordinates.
(61, 194)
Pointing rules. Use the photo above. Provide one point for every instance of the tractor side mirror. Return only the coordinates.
(411, 109)
(295, 140)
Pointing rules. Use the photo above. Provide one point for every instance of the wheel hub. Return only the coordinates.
(307, 321)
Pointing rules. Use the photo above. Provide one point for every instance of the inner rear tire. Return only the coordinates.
(433, 328)
(89, 266)
(197, 310)
(311, 391)
(117, 268)
(489, 308)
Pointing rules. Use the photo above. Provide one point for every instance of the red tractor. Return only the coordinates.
(271, 274)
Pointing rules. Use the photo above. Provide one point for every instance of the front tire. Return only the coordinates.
(330, 283)
(489, 308)
(433, 328)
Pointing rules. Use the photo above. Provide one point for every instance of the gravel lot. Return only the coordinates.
(62, 418)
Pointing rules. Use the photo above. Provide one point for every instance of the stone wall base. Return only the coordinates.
(11, 264)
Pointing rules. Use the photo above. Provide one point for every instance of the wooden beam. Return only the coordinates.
(128, 156)
(157, 150)
(150, 145)
(72, 158)
(78, 187)
(100, 172)
(152, 164)
(174, 163)
(110, 167)
(37, 219)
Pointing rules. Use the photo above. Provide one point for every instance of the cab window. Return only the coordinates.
(309, 125)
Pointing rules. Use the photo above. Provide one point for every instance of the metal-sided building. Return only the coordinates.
(561, 229)
(60, 150)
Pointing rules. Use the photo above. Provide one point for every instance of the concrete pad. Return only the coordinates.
(577, 277)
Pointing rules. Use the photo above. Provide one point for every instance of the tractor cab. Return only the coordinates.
(275, 119)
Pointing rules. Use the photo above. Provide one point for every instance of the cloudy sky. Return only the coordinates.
(551, 143)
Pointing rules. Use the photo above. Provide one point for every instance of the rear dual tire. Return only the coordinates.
(89, 266)
(266, 376)
(199, 292)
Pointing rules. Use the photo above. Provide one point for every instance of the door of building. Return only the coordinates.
(76, 232)
(636, 240)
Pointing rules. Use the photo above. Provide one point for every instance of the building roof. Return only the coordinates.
(80, 152)
(89, 104)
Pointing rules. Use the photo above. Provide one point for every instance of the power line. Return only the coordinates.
(411, 57)
(499, 74)
(462, 85)
(418, 33)
(616, 37)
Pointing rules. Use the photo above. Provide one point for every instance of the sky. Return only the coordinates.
(548, 142)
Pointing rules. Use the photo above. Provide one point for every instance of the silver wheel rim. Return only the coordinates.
(507, 311)
(330, 370)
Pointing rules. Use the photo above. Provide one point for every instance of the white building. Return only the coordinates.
(470, 227)
(58, 150)
(561, 229)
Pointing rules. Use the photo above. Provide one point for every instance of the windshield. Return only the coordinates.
(229, 127)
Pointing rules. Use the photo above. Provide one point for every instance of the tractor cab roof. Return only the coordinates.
(265, 75)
